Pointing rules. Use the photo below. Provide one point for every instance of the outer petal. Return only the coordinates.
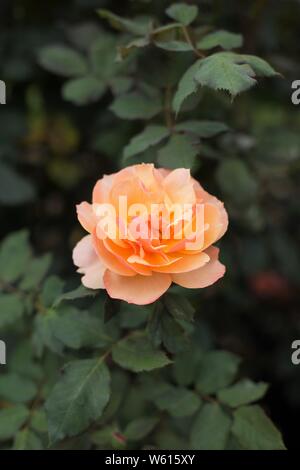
(205, 197)
(205, 276)
(86, 216)
(110, 260)
(187, 263)
(101, 192)
(139, 290)
(86, 259)
(179, 187)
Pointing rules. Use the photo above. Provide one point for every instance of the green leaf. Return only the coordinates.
(187, 86)
(108, 437)
(85, 90)
(27, 440)
(220, 38)
(11, 419)
(154, 325)
(203, 129)
(151, 135)
(236, 181)
(178, 401)
(79, 398)
(14, 188)
(45, 333)
(179, 307)
(11, 309)
(17, 389)
(242, 393)
(139, 428)
(136, 105)
(216, 371)
(137, 354)
(52, 289)
(132, 316)
(226, 71)
(120, 85)
(183, 13)
(255, 431)
(173, 335)
(15, 254)
(139, 26)
(174, 45)
(38, 421)
(139, 43)
(260, 66)
(232, 72)
(77, 329)
(186, 366)
(179, 152)
(36, 271)
(119, 388)
(211, 428)
(79, 293)
(103, 61)
(22, 361)
(63, 60)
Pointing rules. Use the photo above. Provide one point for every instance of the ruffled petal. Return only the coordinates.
(86, 259)
(179, 187)
(139, 290)
(204, 276)
(86, 216)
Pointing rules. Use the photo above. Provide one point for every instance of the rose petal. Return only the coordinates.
(101, 192)
(139, 290)
(110, 260)
(84, 253)
(86, 259)
(179, 187)
(86, 216)
(185, 264)
(202, 277)
(205, 197)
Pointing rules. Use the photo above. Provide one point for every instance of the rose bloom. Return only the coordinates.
(139, 269)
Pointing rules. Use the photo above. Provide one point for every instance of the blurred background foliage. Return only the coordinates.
(58, 135)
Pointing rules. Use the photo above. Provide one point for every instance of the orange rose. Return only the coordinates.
(136, 255)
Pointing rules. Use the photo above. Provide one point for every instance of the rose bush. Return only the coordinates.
(85, 371)
(139, 269)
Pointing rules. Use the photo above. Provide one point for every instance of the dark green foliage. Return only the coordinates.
(103, 91)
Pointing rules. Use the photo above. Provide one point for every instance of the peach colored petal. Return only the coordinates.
(86, 259)
(212, 218)
(86, 216)
(110, 261)
(202, 277)
(204, 196)
(152, 260)
(101, 192)
(212, 230)
(185, 264)
(139, 290)
(84, 253)
(122, 254)
(179, 187)
(133, 189)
